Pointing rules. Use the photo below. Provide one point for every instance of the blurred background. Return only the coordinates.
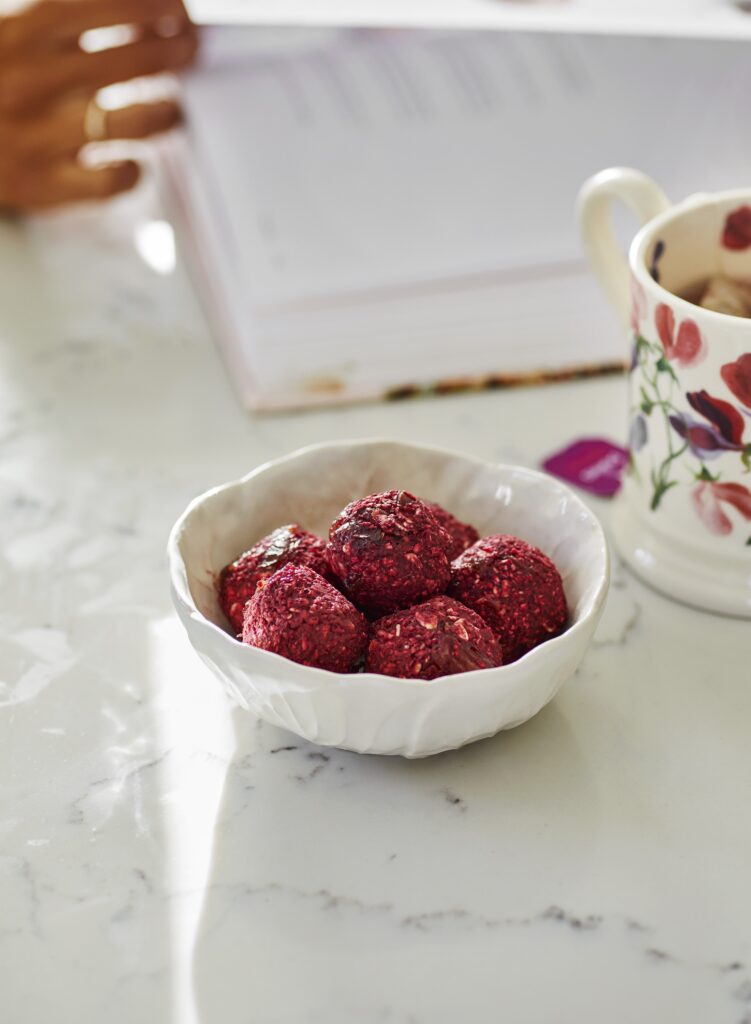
(368, 200)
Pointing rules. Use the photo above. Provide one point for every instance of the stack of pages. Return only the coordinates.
(368, 213)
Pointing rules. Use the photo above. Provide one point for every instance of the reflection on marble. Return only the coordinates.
(166, 860)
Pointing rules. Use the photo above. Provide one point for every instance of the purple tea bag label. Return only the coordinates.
(592, 463)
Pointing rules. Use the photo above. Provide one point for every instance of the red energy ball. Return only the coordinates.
(515, 588)
(389, 551)
(461, 534)
(437, 638)
(297, 614)
(288, 544)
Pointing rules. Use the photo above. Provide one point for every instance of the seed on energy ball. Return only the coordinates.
(288, 544)
(515, 588)
(389, 551)
(298, 614)
(461, 534)
(437, 638)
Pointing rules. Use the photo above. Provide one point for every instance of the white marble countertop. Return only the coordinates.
(164, 860)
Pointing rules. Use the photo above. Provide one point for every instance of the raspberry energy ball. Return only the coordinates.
(461, 534)
(515, 588)
(389, 552)
(437, 638)
(288, 544)
(297, 614)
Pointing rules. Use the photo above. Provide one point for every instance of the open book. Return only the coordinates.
(370, 213)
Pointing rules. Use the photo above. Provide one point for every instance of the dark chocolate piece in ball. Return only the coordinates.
(287, 545)
(389, 552)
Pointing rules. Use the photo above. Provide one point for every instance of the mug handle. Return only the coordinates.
(640, 194)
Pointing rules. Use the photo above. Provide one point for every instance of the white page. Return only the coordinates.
(363, 348)
(360, 297)
(389, 159)
(400, 158)
(688, 18)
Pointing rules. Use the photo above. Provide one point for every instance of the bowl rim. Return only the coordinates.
(314, 678)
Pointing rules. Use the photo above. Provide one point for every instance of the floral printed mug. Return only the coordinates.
(683, 518)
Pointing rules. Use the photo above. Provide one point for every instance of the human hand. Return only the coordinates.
(48, 84)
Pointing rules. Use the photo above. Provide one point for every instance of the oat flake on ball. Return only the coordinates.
(288, 544)
(437, 638)
(389, 551)
(297, 614)
(515, 588)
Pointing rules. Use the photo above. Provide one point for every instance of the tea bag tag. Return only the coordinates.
(592, 463)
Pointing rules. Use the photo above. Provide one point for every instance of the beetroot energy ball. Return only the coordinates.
(436, 638)
(297, 614)
(238, 581)
(461, 534)
(389, 551)
(515, 588)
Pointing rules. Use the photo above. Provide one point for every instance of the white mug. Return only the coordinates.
(683, 517)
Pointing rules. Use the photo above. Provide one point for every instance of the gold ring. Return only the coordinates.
(95, 122)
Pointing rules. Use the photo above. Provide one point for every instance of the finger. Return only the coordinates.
(24, 86)
(140, 120)
(46, 24)
(65, 132)
(69, 181)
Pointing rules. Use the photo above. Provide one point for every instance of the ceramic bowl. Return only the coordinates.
(366, 712)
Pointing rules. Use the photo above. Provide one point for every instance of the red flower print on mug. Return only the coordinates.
(736, 234)
(687, 347)
(737, 376)
(709, 496)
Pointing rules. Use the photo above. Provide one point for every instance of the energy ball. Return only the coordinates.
(461, 534)
(389, 552)
(437, 638)
(515, 588)
(288, 544)
(298, 614)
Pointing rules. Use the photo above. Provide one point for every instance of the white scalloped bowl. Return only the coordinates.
(366, 712)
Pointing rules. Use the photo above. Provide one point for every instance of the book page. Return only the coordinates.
(721, 19)
(391, 159)
(375, 162)
(373, 210)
